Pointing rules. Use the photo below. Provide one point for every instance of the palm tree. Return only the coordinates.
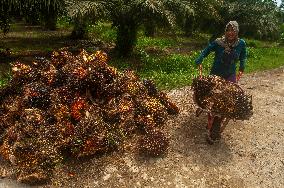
(46, 11)
(84, 13)
(49, 11)
(127, 15)
(4, 17)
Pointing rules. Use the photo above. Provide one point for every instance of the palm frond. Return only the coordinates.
(87, 8)
(154, 9)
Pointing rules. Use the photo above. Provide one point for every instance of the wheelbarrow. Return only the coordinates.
(221, 99)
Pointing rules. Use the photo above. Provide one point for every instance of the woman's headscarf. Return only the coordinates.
(234, 24)
(224, 42)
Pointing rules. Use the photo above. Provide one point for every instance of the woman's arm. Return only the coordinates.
(243, 57)
(205, 52)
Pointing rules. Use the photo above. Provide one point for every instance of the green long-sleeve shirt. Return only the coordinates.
(221, 68)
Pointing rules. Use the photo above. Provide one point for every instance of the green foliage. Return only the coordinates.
(49, 12)
(169, 71)
(257, 18)
(172, 71)
(104, 30)
(208, 17)
(4, 81)
(80, 29)
(282, 34)
(127, 16)
(261, 43)
(5, 74)
(64, 22)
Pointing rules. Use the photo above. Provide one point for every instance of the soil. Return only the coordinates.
(250, 153)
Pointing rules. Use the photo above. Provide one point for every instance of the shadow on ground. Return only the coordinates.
(190, 140)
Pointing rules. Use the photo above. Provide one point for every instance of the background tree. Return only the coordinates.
(84, 13)
(281, 7)
(166, 19)
(49, 12)
(257, 18)
(128, 15)
(45, 12)
(193, 13)
(5, 12)
(185, 13)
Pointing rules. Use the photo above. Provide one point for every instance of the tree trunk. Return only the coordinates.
(4, 23)
(126, 38)
(150, 28)
(50, 19)
(80, 30)
(188, 26)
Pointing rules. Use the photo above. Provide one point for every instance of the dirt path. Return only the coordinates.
(250, 154)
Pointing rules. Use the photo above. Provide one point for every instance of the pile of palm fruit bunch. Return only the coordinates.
(76, 106)
(221, 97)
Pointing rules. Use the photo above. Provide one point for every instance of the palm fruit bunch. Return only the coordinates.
(76, 106)
(36, 94)
(222, 97)
(31, 145)
(154, 143)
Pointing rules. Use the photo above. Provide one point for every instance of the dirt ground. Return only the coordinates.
(250, 153)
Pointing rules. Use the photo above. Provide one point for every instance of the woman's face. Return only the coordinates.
(230, 33)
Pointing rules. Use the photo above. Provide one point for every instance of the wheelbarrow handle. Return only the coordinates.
(200, 71)
(239, 75)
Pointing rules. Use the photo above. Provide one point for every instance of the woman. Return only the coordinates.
(228, 51)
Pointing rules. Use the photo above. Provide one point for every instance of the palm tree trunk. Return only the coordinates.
(150, 28)
(50, 19)
(189, 26)
(80, 29)
(126, 38)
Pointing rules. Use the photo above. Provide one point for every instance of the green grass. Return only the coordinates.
(168, 72)
(260, 44)
(161, 43)
(174, 70)
(260, 59)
